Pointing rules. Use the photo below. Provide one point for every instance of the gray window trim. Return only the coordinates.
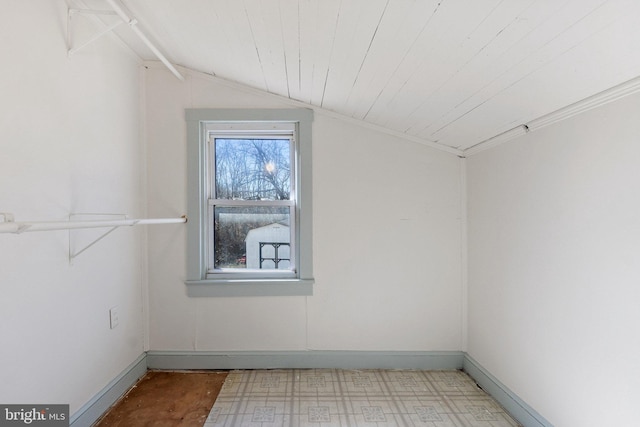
(197, 283)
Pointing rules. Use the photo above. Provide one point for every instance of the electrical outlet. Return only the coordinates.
(113, 317)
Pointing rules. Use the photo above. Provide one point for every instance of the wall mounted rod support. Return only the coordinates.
(132, 23)
(17, 227)
(95, 37)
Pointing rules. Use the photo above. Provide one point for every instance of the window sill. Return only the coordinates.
(249, 287)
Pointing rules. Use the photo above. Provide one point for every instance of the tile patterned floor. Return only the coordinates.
(366, 398)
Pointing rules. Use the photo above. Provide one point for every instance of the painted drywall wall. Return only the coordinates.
(69, 142)
(386, 239)
(554, 266)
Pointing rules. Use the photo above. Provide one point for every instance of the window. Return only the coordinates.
(249, 178)
(251, 199)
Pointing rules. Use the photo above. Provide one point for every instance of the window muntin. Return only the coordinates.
(252, 176)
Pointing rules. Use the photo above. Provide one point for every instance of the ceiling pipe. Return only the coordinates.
(606, 96)
(133, 24)
(496, 140)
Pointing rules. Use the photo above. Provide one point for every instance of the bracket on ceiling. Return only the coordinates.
(124, 18)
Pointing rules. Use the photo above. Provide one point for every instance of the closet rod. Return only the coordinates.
(22, 226)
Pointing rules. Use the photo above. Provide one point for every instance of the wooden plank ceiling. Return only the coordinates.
(454, 72)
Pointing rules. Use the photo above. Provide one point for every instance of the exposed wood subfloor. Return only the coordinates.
(163, 398)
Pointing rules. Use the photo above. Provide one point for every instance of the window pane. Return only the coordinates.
(252, 237)
(252, 169)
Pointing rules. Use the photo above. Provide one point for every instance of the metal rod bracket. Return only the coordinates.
(72, 235)
(124, 18)
(8, 225)
(71, 12)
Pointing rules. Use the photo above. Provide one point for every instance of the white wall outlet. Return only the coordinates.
(113, 317)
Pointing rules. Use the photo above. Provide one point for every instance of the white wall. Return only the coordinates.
(69, 142)
(554, 266)
(386, 240)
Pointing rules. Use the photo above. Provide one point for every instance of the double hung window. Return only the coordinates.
(249, 190)
(252, 200)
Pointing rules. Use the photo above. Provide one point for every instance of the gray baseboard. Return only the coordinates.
(428, 360)
(435, 360)
(515, 406)
(101, 402)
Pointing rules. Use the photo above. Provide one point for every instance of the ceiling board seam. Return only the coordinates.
(284, 51)
(497, 78)
(321, 110)
(401, 62)
(333, 42)
(255, 44)
(516, 43)
(224, 33)
(599, 99)
(575, 23)
(484, 19)
(428, 97)
(364, 59)
(543, 65)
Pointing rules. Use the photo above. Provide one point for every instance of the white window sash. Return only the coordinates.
(285, 131)
(213, 272)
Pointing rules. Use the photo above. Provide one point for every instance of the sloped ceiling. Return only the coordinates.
(453, 72)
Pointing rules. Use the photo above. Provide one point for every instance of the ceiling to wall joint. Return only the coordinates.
(606, 96)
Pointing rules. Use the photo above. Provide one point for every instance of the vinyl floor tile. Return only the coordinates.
(354, 398)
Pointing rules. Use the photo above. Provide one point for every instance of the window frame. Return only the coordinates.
(258, 131)
(200, 282)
